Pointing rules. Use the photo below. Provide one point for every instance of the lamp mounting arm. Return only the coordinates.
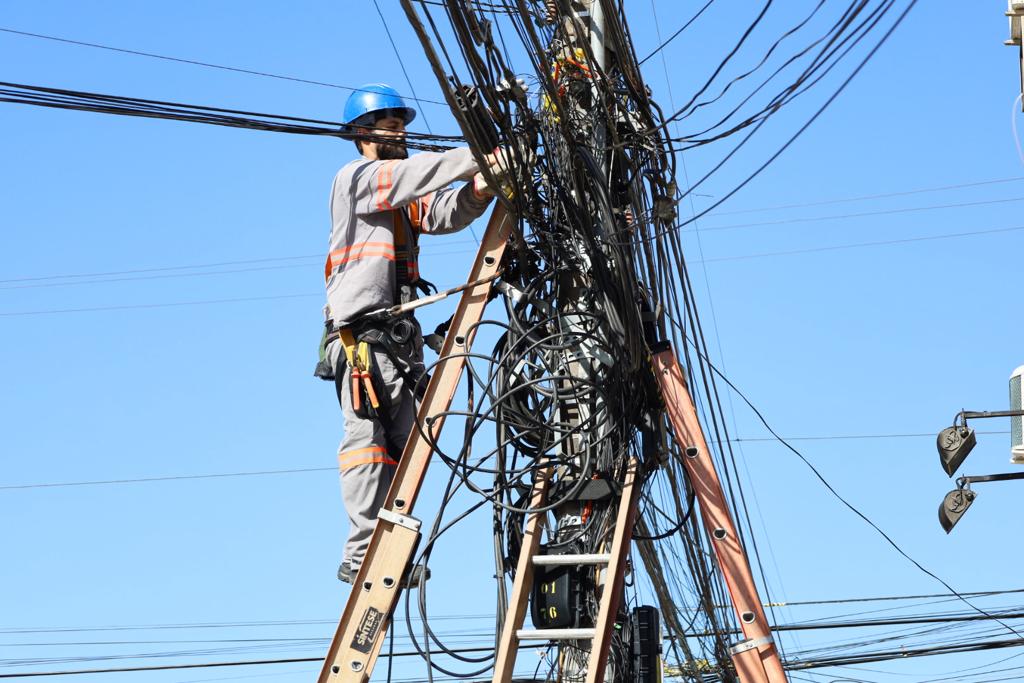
(965, 482)
(965, 415)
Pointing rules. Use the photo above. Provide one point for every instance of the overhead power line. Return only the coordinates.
(59, 98)
(903, 653)
(249, 662)
(221, 475)
(216, 625)
(38, 281)
(194, 62)
(887, 598)
(398, 58)
(161, 274)
(275, 623)
(858, 245)
(792, 252)
(883, 212)
(278, 259)
(139, 480)
(835, 437)
(888, 621)
(867, 197)
(676, 33)
(791, 664)
(803, 128)
(173, 304)
(215, 264)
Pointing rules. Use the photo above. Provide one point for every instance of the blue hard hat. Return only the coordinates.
(372, 98)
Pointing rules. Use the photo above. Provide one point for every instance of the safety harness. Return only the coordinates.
(370, 396)
(407, 250)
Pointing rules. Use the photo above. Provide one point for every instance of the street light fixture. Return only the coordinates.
(955, 444)
(956, 502)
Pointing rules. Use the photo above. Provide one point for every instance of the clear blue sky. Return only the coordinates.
(109, 381)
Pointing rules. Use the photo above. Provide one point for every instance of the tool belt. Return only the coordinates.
(370, 396)
(395, 334)
(369, 392)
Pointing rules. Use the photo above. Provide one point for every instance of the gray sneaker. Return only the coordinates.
(418, 574)
(345, 573)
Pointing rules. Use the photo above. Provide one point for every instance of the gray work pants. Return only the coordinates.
(370, 448)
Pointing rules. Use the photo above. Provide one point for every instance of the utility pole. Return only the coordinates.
(587, 27)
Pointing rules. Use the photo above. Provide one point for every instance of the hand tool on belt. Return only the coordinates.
(360, 362)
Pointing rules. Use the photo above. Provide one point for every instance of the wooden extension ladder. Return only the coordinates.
(615, 560)
(375, 591)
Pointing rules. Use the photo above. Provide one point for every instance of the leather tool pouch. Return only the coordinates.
(370, 394)
(324, 369)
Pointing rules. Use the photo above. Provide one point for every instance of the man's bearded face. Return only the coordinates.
(392, 150)
(389, 132)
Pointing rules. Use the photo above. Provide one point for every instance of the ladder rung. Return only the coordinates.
(556, 634)
(550, 560)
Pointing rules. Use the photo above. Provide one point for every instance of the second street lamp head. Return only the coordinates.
(953, 507)
(954, 445)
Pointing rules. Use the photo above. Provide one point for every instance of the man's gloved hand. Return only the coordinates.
(481, 188)
(500, 161)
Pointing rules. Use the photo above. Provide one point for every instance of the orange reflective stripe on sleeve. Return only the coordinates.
(384, 182)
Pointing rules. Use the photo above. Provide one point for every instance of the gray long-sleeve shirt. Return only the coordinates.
(365, 201)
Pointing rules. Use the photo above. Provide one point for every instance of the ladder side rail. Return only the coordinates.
(360, 634)
(441, 389)
(508, 645)
(732, 559)
(615, 576)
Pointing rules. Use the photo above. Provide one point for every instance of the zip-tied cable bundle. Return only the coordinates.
(593, 278)
(57, 98)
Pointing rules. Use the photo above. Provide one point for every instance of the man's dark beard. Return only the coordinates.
(391, 150)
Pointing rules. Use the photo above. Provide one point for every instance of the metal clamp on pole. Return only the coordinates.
(401, 520)
(750, 644)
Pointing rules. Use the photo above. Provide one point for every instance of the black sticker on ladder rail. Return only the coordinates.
(369, 627)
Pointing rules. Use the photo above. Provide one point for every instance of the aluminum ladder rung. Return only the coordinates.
(556, 634)
(555, 560)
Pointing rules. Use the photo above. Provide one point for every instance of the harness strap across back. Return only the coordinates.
(405, 240)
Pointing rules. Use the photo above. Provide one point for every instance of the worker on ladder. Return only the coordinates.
(380, 204)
